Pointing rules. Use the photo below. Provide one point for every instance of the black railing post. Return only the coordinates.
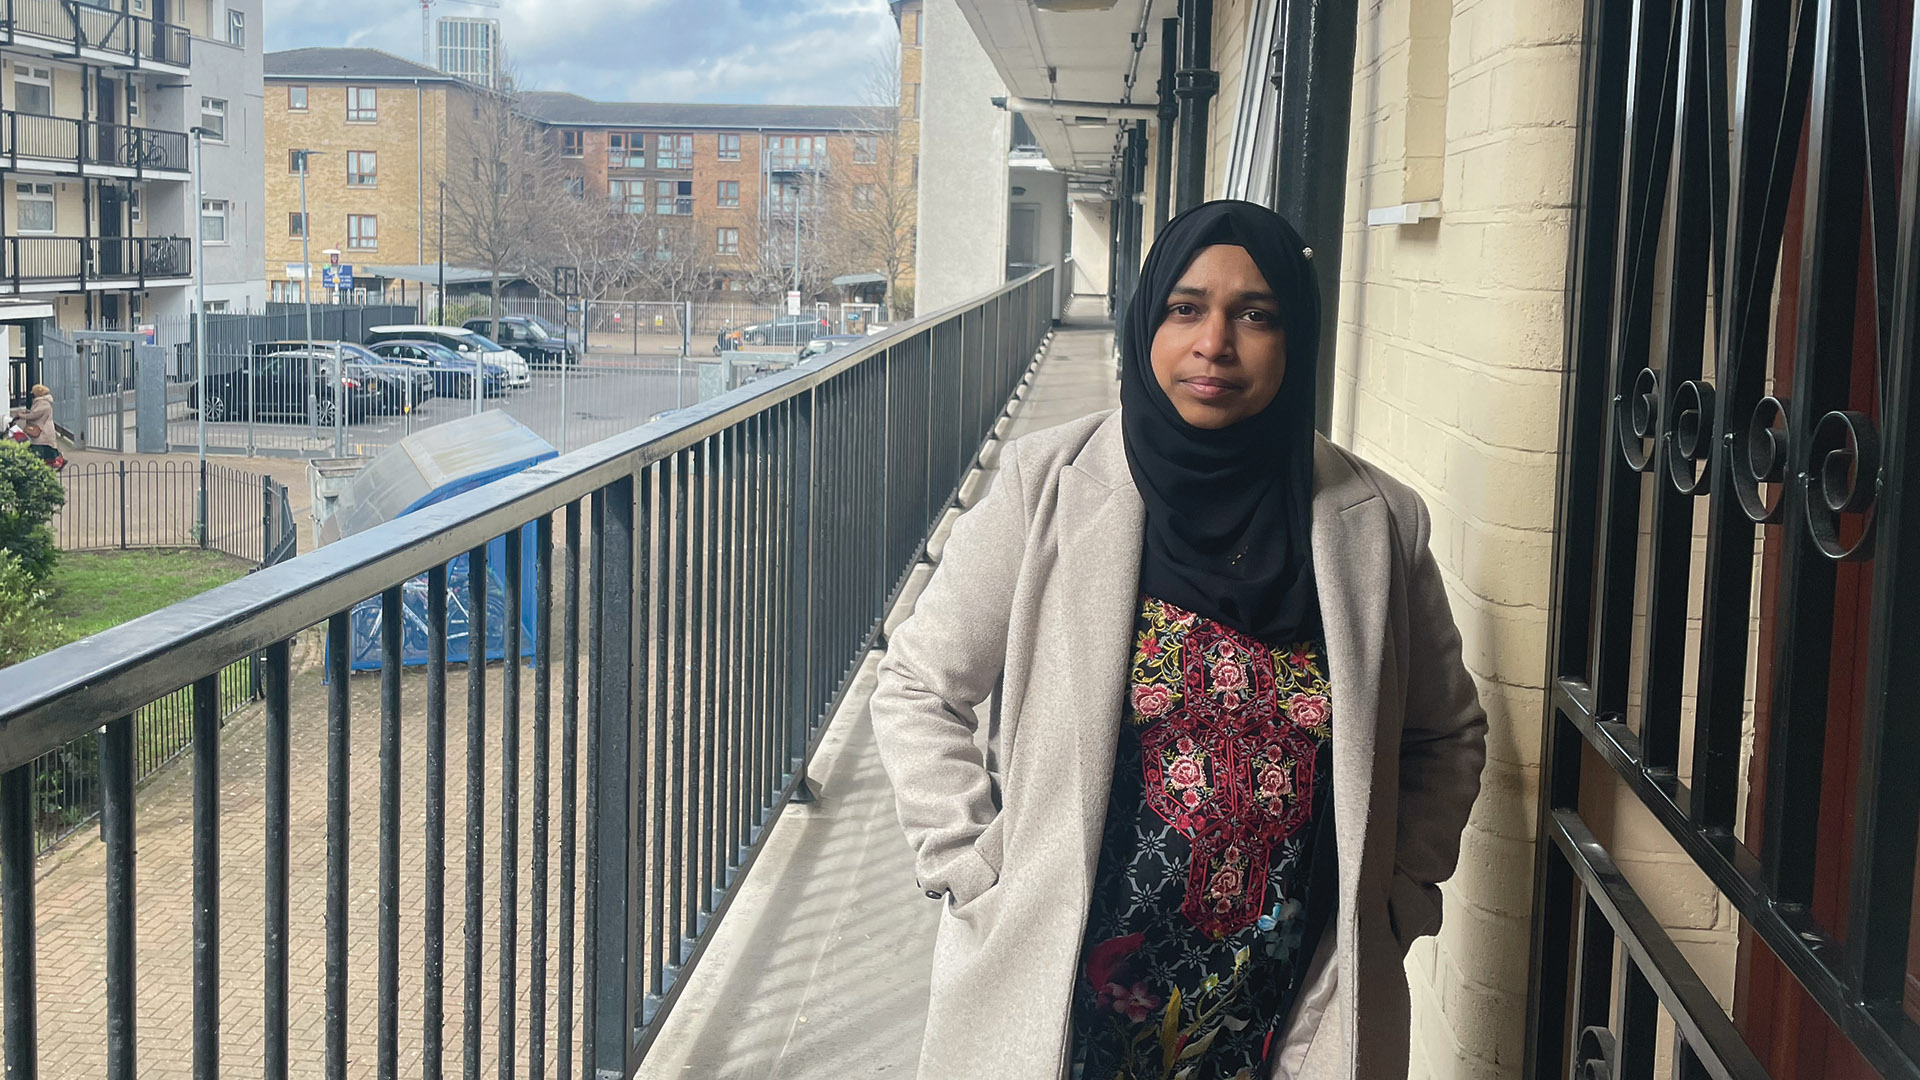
(610, 894)
(1195, 84)
(123, 503)
(801, 613)
(18, 980)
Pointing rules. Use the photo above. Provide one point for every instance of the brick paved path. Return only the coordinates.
(72, 898)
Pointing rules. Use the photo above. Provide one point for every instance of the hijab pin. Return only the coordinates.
(1306, 252)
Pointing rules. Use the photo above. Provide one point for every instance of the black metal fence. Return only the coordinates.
(1735, 550)
(703, 591)
(152, 504)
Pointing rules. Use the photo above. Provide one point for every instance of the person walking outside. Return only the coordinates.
(1235, 743)
(36, 422)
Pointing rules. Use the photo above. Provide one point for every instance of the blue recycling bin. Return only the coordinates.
(426, 468)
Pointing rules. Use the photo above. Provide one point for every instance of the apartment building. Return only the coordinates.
(377, 129)
(738, 171)
(96, 107)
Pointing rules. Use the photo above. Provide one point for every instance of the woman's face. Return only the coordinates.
(1220, 354)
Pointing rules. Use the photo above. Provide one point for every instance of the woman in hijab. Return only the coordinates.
(1234, 744)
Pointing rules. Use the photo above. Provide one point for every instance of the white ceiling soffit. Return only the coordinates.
(1090, 54)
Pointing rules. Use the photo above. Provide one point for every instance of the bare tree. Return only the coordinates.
(877, 205)
(593, 236)
(676, 260)
(503, 180)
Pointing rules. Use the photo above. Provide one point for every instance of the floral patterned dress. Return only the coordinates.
(1197, 932)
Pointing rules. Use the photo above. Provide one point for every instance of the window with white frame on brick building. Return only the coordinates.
(729, 148)
(726, 241)
(727, 194)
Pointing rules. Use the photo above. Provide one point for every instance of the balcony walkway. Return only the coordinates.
(820, 964)
(820, 969)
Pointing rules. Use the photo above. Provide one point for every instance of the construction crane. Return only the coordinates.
(426, 25)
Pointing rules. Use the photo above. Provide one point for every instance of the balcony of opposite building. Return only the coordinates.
(98, 35)
(35, 264)
(68, 146)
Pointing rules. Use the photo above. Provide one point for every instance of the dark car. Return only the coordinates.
(399, 388)
(452, 374)
(567, 334)
(781, 330)
(287, 386)
(829, 343)
(527, 336)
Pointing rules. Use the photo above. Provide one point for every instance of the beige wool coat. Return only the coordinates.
(1036, 596)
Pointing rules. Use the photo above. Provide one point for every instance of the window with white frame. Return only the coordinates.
(296, 99)
(213, 117)
(32, 90)
(35, 209)
(363, 232)
(363, 105)
(213, 221)
(236, 27)
(362, 168)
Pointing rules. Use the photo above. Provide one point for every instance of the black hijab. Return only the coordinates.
(1228, 510)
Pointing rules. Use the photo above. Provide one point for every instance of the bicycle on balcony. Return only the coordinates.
(143, 150)
(165, 257)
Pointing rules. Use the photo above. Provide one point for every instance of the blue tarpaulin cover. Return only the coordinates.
(431, 467)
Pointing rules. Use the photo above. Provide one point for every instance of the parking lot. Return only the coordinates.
(604, 396)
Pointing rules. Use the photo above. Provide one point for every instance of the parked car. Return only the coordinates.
(399, 387)
(285, 386)
(529, 337)
(829, 343)
(452, 373)
(782, 329)
(460, 340)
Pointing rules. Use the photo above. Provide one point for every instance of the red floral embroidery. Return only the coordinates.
(1229, 730)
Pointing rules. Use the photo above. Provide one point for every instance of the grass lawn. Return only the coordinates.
(97, 590)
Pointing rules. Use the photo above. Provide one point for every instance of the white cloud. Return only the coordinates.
(813, 52)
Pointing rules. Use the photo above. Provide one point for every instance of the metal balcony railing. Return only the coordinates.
(32, 260)
(693, 600)
(78, 25)
(91, 142)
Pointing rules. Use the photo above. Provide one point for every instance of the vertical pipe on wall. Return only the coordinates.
(1195, 84)
(1169, 115)
(1314, 81)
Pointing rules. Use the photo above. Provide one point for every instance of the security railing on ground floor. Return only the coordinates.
(683, 607)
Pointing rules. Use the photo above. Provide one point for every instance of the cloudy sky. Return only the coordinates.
(802, 52)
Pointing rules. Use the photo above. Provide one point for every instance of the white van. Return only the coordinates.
(463, 341)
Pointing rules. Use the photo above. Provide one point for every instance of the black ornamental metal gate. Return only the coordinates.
(1736, 628)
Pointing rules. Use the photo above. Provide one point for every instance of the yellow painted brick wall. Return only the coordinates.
(1449, 362)
(403, 198)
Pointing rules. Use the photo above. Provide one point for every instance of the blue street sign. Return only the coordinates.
(336, 277)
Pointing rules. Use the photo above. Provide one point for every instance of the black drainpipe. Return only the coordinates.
(1133, 169)
(1195, 84)
(1313, 74)
(1169, 113)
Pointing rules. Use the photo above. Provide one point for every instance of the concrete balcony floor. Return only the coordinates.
(820, 968)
